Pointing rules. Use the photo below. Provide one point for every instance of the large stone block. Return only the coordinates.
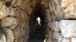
(64, 3)
(64, 9)
(4, 11)
(10, 22)
(68, 28)
(69, 9)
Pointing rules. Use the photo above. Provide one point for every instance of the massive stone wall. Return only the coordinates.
(15, 18)
(63, 21)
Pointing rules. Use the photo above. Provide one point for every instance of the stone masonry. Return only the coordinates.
(58, 16)
(63, 25)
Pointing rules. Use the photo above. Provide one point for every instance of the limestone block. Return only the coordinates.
(3, 11)
(66, 40)
(9, 22)
(63, 9)
(73, 39)
(68, 28)
(55, 26)
(64, 3)
(69, 9)
(9, 35)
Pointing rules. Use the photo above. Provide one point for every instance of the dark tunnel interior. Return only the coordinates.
(38, 28)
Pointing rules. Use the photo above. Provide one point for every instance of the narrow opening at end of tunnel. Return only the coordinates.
(38, 20)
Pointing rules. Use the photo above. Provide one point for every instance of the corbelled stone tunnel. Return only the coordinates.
(37, 21)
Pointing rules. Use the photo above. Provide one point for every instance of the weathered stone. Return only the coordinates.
(49, 37)
(55, 26)
(28, 9)
(66, 40)
(55, 35)
(65, 3)
(18, 32)
(16, 3)
(10, 22)
(21, 31)
(21, 39)
(9, 35)
(32, 3)
(63, 9)
(3, 11)
(26, 38)
(5, 1)
(68, 28)
(12, 12)
(16, 15)
(69, 11)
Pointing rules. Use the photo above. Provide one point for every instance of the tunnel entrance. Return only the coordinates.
(38, 24)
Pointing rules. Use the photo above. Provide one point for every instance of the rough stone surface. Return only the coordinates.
(3, 10)
(66, 40)
(9, 35)
(9, 22)
(63, 9)
(15, 18)
(55, 26)
(68, 28)
(69, 9)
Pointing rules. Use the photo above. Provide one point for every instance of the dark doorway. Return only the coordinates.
(38, 24)
(37, 32)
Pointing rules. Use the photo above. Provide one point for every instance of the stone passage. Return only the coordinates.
(18, 21)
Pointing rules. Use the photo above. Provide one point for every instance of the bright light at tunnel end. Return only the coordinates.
(39, 20)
